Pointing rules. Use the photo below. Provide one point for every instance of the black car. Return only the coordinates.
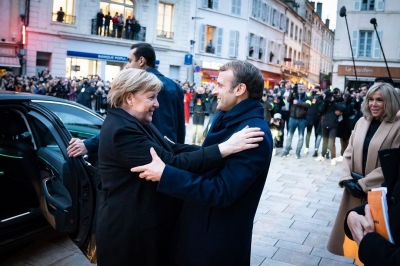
(39, 183)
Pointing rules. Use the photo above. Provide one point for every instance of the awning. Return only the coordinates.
(9, 61)
(312, 82)
(210, 72)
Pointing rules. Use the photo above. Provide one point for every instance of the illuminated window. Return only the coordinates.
(165, 21)
(63, 11)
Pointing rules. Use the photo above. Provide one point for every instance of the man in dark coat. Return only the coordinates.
(216, 222)
(100, 18)
(168, 119)
(85, 94)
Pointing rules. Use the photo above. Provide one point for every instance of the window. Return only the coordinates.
(213, 4)
(287, 26)
(291, 29)
(365, 44)
(367, 5)
(233, 43)
(165, 21)
(265, 13)
(300, 34)
(236, 6)
(211, 39)
(295, 33)
(257, 8)
(274, 18)
(282, 22)
(63, 11)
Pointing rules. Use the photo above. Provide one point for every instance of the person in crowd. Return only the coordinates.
(40, 89)
(85, 94)
(299, 103)
(212, 110)
(331, 109)
(120, 25)
(72, 89)
(268, 102)
(128, 28)
(135, 29)
(286, 86)
(379, 129)
(216, 223)
(313, 120)
(199, 108)
(99, 21)
(107, 20)
(168, 119)
(359, 225)
(344, 130)
(115, 21)
(134, 222)
(187, 98)
(276, 130)
(60, 15)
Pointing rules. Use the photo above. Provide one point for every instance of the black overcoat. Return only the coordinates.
(134, 221)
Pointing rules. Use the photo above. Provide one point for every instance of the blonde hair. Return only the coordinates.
(391, 102)
(131, 80)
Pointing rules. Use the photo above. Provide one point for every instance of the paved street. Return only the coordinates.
(294, 218)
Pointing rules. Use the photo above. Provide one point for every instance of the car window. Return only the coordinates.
(80, 122)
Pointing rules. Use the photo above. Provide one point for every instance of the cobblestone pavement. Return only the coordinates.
(292, 225)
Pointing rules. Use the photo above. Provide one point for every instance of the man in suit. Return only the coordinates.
(216, 222)
(168, 118)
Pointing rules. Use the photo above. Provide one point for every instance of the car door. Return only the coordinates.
(66, 186)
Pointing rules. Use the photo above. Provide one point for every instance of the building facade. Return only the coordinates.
(365, 46)
(11, 37)
(73, 43)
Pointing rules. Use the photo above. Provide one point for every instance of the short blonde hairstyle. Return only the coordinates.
(131, 80)
(391, 102)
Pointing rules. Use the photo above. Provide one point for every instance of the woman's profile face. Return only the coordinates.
(376, 105)
(143, 105)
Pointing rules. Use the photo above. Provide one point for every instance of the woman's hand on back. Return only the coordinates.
(244, 139)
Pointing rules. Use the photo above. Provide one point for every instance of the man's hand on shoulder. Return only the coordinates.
(76, 148)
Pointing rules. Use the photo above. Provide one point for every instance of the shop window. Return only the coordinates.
(174, 72)
(63, 11)
(165, 21)
(42, 61)
(82, 67)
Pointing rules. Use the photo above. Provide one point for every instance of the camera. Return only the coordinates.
(295, 88)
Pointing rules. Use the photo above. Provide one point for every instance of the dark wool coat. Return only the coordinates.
(216, 222)
(169, 119)
(374, 249)
(134, 221)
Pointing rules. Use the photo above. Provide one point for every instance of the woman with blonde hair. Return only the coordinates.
(134, 221)
(378, 129)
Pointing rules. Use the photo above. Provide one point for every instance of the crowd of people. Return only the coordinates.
(89, 91)
(330, 114)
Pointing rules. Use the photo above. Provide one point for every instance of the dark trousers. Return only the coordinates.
(329, 134)
(343, 144)
(107, 30)
(99, 29)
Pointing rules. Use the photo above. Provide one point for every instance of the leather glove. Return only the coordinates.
(354, 189)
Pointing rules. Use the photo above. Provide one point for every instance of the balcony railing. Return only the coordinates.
(210, 49)
(118, 32)
(67, 19)
(165, 34)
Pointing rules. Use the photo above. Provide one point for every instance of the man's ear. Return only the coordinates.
(240, 89)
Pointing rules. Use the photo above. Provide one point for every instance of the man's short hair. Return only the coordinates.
(147, 51)
(249, 75)
(385, 80)
(363, 85)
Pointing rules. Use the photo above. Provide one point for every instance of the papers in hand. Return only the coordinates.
(379, 211)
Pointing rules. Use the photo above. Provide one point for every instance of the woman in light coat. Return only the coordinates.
(378, 129)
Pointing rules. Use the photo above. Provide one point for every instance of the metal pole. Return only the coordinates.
(384, 57)
(351, 48)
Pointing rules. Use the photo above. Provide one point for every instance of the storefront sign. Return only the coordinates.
(98, 56)
(368, 71)
(7, 51)
(211, 65)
